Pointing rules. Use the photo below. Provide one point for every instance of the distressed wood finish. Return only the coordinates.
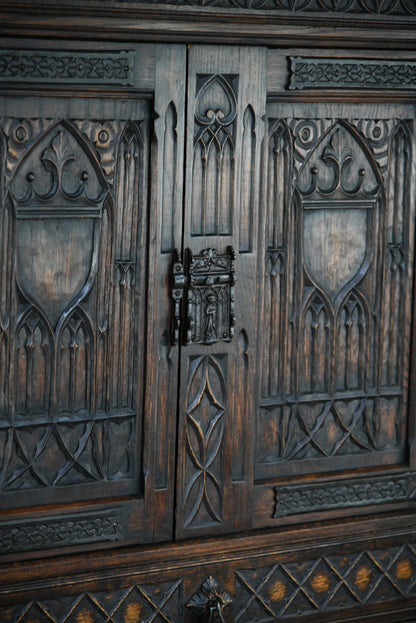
(207, 311)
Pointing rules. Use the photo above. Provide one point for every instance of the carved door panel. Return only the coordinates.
(298, 252)
(337, 236)
(226, 102)
(79, 288)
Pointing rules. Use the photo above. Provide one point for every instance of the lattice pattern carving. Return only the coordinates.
(144, 602)
(289, 589)
(206, 409)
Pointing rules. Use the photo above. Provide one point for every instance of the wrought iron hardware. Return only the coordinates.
(177, 284)
(207, 605)
(206, 286)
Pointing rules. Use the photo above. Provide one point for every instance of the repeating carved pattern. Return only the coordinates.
(206, 410)
(344, 73)
(330, 495)
(213, 167)
(325, 338)
(374, 7)
(289, 589)
(69, 530)
(64, 418)
(145, 602)
(75, 67)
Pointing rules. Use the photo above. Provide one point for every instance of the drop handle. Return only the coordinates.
(207, 605)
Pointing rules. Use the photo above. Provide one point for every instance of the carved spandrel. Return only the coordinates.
(213, 174)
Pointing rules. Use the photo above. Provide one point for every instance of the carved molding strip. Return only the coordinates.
(109, 68)
(346, 73)
(94, 527)
(349, 7)
(346, 494)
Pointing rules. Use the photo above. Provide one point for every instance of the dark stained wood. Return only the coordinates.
(255, 414)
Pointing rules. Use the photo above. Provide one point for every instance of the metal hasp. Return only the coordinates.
(207, 286)
(177, 285)
(209, 602)
(210, 296)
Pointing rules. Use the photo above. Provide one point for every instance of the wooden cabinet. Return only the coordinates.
(206, 316)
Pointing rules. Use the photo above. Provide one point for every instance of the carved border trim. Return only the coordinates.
(91, 527)
(330, 495)
(347, 73)
(106, 68)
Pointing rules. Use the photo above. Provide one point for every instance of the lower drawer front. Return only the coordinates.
(246, 580)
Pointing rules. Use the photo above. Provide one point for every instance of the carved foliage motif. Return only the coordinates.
(213, 165)
(206, 409)
(329, 495)
(324, 340)
(83, 528)
(290, 589)
(138, 602)
(349, 73)
(74, 67)
(55, 311)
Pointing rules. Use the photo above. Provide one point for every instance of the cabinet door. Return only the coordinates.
(294, 394)
(333, 426)
(86, 428)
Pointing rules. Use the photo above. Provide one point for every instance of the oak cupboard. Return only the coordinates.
(207, 221)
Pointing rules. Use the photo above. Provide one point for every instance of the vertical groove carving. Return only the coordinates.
(248, 163)
(6, 271)
(315, 346)
(213, 158)
(351, 346)
(393, 296)
(75, 348)
(164, 380)
(275, 284)
(205, 424)
(170, 158)
(34, 352)
(129, 161)
(240, 407)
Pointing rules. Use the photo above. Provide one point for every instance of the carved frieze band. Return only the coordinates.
(346, 494)
(111, 68)
(96, 527)
(345, 73)
(157, 601)
(295, 589)
(378, 7)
